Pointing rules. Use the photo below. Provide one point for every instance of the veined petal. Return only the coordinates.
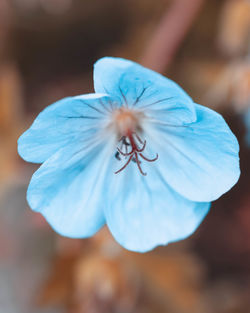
(61, 123)
(143, 212)
(200, 160)
(68, 190)
(143, 89)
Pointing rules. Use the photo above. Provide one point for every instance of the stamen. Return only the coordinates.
(124, 166)
(139, 166)
(143, 147)
(126, 153)
(149, 160)
(135, 152)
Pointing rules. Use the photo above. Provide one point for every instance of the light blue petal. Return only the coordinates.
(143, 212)
(68, 190)
(200, 161)
(61, 123)
(142, 88)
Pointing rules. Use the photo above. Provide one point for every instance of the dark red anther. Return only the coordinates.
(135, 152)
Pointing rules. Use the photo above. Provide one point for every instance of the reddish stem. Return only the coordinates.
(170, 33)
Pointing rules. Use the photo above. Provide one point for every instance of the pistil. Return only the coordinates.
(135, 152)
(128, 124)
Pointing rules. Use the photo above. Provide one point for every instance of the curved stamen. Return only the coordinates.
(125, 165)
(134, 153)
(149, 160)
(139, 166)
(138, 138)
(125, 153)
(143, 147)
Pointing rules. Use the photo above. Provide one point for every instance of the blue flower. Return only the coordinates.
(138, 155)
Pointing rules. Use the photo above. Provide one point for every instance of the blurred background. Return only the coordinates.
(47, 50)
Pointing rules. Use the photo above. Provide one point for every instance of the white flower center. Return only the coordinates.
(127, 121)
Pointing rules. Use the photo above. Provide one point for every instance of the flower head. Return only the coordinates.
(138, 154)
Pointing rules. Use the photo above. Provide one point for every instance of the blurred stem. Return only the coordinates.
(4, 28)
(170, 33)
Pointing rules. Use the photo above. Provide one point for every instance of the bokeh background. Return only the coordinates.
(47, 50)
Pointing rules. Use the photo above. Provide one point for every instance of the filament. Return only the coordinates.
(137, 147)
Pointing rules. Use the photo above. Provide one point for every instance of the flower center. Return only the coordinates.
(127, 121)
(130, 145)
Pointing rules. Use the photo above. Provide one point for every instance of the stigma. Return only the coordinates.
(128, 125)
